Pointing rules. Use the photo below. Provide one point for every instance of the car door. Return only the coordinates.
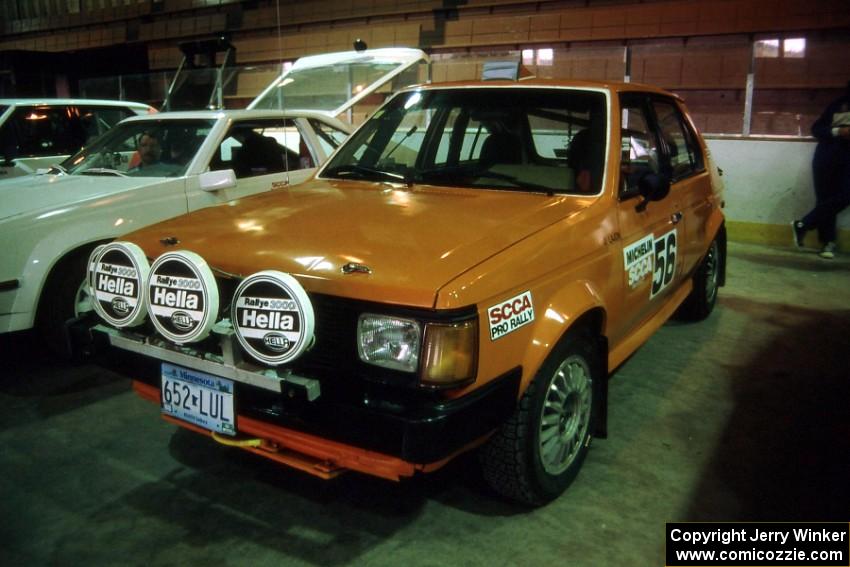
(689, 178)
(651, 232)
(265, 154)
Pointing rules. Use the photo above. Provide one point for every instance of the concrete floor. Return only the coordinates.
(741, 417)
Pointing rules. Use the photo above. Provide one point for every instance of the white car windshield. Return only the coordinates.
(522, 139)
(149, 148)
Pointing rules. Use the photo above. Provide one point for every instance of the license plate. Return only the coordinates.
(199, 398)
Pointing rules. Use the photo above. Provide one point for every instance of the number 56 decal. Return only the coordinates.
(665, 262)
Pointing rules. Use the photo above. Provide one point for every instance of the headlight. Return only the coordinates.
(449, 351)
(390, 342)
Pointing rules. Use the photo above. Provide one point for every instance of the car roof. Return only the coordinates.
(240, 115)
(615, 86)
(78, 101)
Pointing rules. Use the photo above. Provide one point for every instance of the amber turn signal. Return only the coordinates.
(450, 354)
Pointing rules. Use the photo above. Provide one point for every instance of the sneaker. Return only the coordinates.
(828, 251)
(799, 230)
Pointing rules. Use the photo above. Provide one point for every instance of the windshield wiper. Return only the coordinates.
(364, 172)
(103, 171)
(511, 179)
(465, 173)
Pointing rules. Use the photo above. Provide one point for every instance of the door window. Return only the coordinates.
(262, 147)
(638, 146)
(685, 157)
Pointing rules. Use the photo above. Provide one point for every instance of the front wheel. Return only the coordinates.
(537, 454)
(65, 296)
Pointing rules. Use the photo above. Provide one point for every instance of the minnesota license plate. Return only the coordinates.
(199, 398)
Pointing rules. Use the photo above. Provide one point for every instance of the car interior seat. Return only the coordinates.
(500, 147)
(259, 155)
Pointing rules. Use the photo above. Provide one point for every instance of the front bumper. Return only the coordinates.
(381, 431)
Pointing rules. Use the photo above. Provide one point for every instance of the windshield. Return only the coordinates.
(549, 140)
(149, 148)
(324, 88)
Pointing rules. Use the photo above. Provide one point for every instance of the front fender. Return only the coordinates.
(557, 315)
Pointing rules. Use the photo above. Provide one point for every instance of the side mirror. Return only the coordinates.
(217, 180)
(652, 187)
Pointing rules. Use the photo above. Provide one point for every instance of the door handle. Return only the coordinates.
(675, 218)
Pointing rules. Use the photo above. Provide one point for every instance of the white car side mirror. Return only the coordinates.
(217, 180)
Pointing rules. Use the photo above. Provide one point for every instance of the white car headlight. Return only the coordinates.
(391, 342)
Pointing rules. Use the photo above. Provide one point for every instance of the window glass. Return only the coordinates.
(638, 148)
(45, 131)
(684, 155)
(148, 148)
(513, 139)
(99, 120)
(329, 137)
(262, 147)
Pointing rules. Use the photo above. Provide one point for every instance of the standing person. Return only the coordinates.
(831, 171)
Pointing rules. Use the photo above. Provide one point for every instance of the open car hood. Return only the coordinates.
(334, 82)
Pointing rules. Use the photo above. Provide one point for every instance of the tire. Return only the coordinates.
(63, 297)
(701, 301)
(537, 454)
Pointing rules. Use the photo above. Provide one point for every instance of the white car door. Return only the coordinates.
(265, 154)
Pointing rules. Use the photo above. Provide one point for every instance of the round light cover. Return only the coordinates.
(273, 317)
(117, 275)
(182, 297)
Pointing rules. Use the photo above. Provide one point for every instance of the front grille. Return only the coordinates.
(333, 358)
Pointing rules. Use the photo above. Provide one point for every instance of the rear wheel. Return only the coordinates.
(700, 303)
(537, 454)
(65, 296)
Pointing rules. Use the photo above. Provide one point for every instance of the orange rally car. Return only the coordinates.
(463, 273)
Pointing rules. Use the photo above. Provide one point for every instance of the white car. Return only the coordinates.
(36, 133)
(151, 168)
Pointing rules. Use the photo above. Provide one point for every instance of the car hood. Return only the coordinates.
(44, 193)
(413, 241)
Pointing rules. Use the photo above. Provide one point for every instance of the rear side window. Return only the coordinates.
(685, 156)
